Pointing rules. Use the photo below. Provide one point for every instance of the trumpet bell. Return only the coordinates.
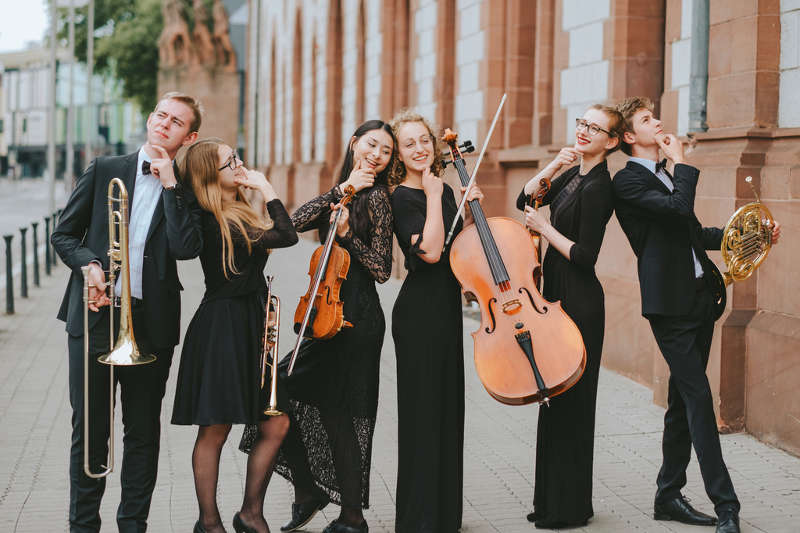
(126, 353)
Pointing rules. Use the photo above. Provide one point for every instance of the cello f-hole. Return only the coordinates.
(543, 310)
(491, 315)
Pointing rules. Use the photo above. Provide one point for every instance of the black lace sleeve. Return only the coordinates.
(377, 257)
(315, 213)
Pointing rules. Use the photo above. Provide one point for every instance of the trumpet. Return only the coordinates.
(746, 239)
(124, 352)
(269, 352)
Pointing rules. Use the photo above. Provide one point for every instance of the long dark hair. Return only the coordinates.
(359, 216)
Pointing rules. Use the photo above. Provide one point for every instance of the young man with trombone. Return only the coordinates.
(163, 227)
(683, 294)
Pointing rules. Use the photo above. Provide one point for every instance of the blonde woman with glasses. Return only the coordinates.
(219, 377)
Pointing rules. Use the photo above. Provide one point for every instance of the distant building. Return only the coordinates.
(25, 97)
(728, 72)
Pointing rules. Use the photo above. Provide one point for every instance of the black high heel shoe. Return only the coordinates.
(302, 513)
(198, 528)
(340, 527)
(240, 526)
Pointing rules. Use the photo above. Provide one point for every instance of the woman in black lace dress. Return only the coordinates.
(219, 376)
(333, 389)
(581, 204)
(428, 337)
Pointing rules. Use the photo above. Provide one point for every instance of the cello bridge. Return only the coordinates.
(512, 306)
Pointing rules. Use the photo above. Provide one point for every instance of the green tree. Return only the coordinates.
(126, 44)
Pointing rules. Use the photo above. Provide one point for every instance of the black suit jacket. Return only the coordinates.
(662, 229)
(81, 236)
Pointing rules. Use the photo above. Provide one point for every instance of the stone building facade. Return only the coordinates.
(725, 77)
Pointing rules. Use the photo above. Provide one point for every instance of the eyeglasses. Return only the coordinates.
(231, 162)
(592, 128)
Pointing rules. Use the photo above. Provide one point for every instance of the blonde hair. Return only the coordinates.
(200, 164)
(616, 124)
(398, 172)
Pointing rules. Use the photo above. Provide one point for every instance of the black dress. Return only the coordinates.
(219, 380)
(333, 390)
(427, 329)
(580, 208)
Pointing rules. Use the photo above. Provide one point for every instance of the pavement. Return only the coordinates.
(498, 456)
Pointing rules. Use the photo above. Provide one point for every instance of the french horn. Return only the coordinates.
(746, 239)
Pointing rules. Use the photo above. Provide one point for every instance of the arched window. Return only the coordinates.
(361, 64)
(397, 40)
(333, 85)
(297, 90)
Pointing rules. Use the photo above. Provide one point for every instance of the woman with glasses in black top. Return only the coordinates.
(581, 203)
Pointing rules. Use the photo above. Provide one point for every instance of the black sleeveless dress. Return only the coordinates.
(333, 390)
(219, 379)
(580, 207)
(427, 327)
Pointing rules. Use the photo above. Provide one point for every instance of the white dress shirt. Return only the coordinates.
(665, 179)
(146, 195)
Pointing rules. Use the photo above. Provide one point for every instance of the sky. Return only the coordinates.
(22, 21)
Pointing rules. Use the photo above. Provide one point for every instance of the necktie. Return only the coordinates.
(661, 165)
(145, 167)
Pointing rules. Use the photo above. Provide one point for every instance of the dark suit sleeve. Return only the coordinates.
(69, 234)
(711, 238)
(654, 202)
(597, 204)
(182, 216)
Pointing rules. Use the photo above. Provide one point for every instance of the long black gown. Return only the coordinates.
(427, 329)
(219, 380)
(580, 207)
(333, 390)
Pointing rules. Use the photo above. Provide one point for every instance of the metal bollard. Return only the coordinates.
(9, 277)
(47, 245)
(35, 226)
(23, 282)
(53, 254)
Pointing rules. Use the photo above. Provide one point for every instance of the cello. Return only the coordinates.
(536, 203)
(526, 348)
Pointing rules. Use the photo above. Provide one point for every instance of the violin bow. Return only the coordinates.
(474, 172)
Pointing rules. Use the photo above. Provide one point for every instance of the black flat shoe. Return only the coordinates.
(678, 509)
(302, 513)
(240, 527)
(198, 528)
(728, 523)
(340, 527)
(533, 517)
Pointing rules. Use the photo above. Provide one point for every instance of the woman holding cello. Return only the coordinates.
(218, 380)
(333, 389)
(427, 331)
(581, 203)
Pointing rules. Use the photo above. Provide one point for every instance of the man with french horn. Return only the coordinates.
(683, 294)
(163, 228)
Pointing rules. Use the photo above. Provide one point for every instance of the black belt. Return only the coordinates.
(135, 302)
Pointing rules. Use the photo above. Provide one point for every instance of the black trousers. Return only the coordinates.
(685, 343)
(141, 391)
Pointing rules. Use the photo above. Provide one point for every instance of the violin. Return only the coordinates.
(536, 203)
(320, 312)
(526, 349)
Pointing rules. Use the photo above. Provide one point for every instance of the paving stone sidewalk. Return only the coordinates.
(499, 444)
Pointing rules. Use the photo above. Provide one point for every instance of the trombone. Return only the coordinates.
(125, 352)
(269, 353)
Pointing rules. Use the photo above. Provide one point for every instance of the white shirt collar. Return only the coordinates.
(649, 164)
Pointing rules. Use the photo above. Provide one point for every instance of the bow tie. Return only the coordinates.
(145, 167)
(662, 165)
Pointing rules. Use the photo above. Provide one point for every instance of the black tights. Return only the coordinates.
(260, 464)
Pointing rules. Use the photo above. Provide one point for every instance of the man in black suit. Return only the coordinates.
(682, 296)
(164, 226)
